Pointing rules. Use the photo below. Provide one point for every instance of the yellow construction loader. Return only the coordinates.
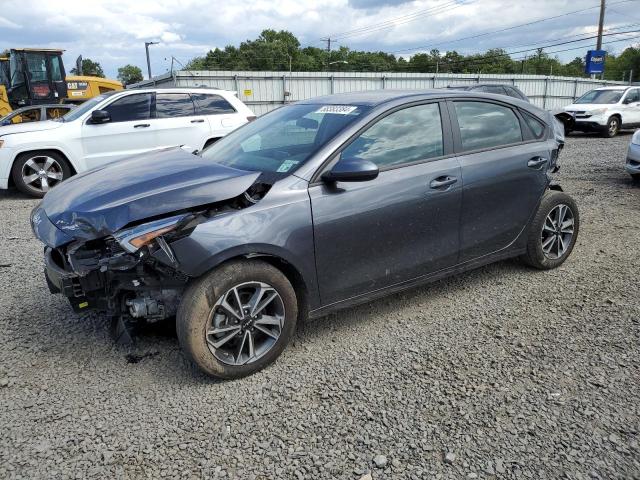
(31, 76)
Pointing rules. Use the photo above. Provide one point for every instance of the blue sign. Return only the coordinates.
(595, 61)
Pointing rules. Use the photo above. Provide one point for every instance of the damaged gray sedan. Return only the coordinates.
(314, 207)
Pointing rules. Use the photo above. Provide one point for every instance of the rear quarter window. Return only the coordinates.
(536, 126)
(211, 104)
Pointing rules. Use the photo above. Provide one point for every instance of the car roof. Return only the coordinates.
(476, 85)
(614, 87)
(373, 98)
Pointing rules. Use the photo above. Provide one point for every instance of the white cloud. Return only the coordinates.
(113, 32)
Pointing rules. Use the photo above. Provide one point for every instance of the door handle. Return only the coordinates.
(142, 125)
(536, 162)
(443, 181)
(199, 120)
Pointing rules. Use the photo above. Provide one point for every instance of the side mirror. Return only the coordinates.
(100, 116)
(351, 170)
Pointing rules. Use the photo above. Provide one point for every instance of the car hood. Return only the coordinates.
(587, 107)
(29, 127)
(100, 202)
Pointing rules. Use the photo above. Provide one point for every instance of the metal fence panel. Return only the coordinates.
(264, 91)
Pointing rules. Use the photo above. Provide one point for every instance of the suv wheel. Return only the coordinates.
(35, 173)
(237, 319)
(613, 127)
(553, 232)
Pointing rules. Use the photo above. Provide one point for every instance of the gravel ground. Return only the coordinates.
(503, 372)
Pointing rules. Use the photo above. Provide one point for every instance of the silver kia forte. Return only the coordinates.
(314, 207)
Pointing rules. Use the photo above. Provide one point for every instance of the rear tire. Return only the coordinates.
(205, 319)
(635, 178)
(553, 231)
(613, 127)
(35, 173)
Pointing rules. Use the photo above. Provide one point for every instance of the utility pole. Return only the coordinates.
(328, 40)
(146, 47)
(600, 24)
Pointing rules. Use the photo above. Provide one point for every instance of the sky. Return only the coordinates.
(113, 32)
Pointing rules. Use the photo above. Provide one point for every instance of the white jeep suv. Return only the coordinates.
(36, 156)
(605, 110)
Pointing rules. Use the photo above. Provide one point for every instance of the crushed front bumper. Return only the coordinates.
(62, 281)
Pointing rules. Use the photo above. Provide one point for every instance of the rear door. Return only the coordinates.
(399, 226)
(220, 114)
(503, 173)
(130, 131)
(177, 122)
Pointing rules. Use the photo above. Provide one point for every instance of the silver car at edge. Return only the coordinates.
(633, 157)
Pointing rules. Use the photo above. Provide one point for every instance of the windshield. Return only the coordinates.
(82, 109)
(283, 140)
(601, 97)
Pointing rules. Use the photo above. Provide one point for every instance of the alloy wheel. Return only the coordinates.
(557, 232)
(41, 173)
(613, 126)
(245, 323)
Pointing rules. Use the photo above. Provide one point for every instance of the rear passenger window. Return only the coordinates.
(486, 125)
(536, 126)
(208, 104)
(403, 137)
(514, 93)
(498, 90)
(170, 105)
(130, 108)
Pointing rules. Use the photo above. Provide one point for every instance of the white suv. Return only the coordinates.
(36, 156)
(605, 110)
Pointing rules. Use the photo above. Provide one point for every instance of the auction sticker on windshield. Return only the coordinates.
(336, 109)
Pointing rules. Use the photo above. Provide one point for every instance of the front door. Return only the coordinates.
(631, 108)
(131, 131)
(503, 171)
(399, 226)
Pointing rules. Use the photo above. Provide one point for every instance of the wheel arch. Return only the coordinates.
(286, 266)
(73, 167)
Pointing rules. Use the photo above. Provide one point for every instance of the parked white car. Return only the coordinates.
(36, 156)
(605, 110)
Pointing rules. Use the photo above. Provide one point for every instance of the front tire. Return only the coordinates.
(635, 178)
(35, 173)
(553, 231)
(237, 319)
(612, 128)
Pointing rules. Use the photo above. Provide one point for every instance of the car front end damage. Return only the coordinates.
(113, 254)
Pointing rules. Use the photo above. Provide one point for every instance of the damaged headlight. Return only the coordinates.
(134, 238)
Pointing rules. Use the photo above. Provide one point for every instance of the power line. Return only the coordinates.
(452, 5)
(423, 47)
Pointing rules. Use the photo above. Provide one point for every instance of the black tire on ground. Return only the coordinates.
(635, 177)
(612, 128)
(198, 302)
(535, 256)
(60, 167)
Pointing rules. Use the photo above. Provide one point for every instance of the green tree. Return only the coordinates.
(89, 67)
(129, 74)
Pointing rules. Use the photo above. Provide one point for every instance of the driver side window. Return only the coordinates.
(406, 136)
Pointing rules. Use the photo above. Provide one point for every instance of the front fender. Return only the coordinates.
(279, 229)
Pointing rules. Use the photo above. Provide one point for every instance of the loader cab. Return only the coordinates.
(36, 76)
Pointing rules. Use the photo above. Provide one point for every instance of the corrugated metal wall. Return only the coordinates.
(264, 91)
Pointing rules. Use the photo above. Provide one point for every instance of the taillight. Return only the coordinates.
(251, 118)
